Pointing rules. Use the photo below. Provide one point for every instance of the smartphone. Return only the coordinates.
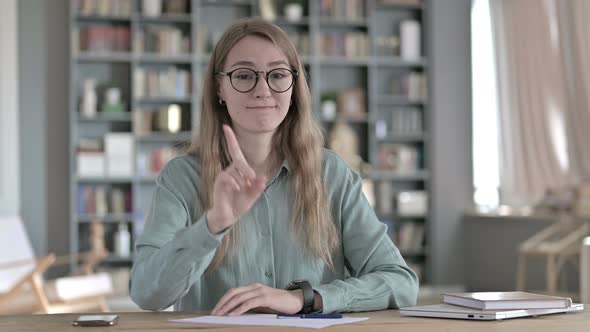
(95, 320)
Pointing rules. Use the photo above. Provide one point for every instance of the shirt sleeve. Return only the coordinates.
(172, 252)
(379, 276)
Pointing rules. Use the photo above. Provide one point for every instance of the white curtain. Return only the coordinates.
(544, 123)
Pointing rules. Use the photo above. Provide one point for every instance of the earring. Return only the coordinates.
(221, 102)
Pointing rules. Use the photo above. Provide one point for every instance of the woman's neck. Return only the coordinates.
(258, 151)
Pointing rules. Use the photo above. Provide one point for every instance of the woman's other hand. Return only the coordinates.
(259, 298)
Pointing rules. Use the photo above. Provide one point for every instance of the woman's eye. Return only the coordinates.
(244, 76)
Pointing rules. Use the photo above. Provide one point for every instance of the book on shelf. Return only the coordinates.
(400, 2)
(176, 7)
(412, 203)
(352, 10)
(344, 44)
(397, 158)
(104, 38)
(98, 201)
(406, 121)
(506, 300)
(410, 237)
(300, 41)
(399, 121)
(119, 152)
(164, 40)
(90, 158)
(118, 8)
(169, 119)
(412, 85)
(171, 82)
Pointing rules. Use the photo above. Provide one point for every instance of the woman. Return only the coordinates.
(257, 216)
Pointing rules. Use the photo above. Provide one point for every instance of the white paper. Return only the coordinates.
(270, 320)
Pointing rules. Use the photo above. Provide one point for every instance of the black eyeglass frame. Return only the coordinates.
(293, 72)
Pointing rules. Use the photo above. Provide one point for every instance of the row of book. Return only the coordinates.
(346, 44)
(120, 8)
(404, 121)
(343, 9)
(169, 82)
(165, 40)
(100, 38)
(100, 201)
(413, 85)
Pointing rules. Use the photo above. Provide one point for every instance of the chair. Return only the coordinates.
(22, 288)
(560, 242)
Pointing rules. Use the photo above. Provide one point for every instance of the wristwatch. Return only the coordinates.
(308, 295)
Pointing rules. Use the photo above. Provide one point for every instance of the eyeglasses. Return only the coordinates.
(245, 79)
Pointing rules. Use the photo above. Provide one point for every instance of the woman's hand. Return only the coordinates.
(260, 298)
(235, 189)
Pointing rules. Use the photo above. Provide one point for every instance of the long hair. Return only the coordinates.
(298, 139)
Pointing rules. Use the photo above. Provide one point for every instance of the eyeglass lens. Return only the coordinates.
(279, 79)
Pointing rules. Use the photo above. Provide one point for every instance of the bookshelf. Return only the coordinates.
(351, 53)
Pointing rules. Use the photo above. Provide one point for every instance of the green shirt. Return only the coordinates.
(173, 253)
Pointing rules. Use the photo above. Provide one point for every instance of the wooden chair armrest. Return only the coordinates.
(45, 261)
(89, 259)
(42, 264)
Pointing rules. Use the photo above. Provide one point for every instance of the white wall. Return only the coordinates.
(9, 158)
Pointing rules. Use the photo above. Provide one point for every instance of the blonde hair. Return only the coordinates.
(298, 139)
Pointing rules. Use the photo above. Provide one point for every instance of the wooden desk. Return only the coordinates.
(380, 321)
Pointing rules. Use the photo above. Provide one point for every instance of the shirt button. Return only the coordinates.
(268, 274)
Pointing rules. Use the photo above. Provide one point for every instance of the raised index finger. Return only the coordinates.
(233, 146)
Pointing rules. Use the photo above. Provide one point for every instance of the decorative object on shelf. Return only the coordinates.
(152, 8)
(344, 141)
(329, 106)
(112, 101)
(170, 119)
(267, 9)
(123, 241)
(351, 103)
(89, 99)
(410, 40)
(96, 238)
(293, 10)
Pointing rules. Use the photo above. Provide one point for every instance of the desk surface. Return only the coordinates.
(380, 321)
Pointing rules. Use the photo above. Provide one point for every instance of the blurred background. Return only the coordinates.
(467, 120)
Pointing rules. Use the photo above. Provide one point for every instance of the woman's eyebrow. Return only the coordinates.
(252, 64)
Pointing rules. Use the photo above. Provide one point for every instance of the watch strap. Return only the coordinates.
(308, 294)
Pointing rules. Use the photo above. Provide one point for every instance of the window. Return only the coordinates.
(486, 173)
